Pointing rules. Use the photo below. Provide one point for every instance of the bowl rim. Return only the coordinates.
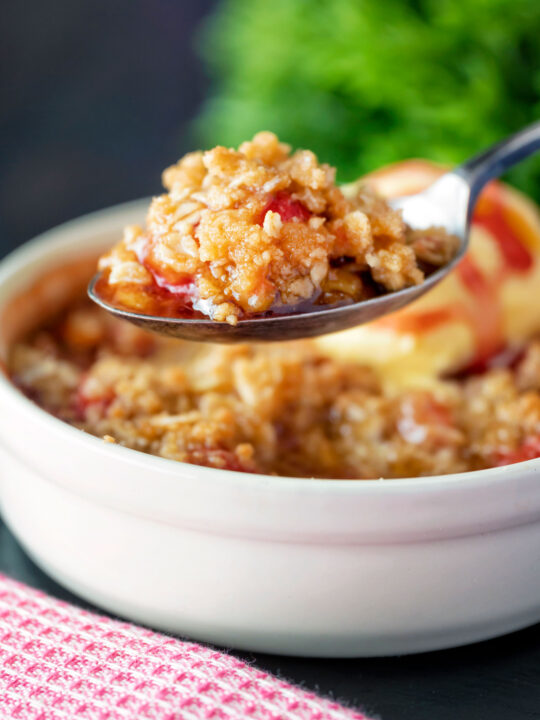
(101, 220)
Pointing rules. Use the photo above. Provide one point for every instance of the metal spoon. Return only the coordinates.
(448, 203)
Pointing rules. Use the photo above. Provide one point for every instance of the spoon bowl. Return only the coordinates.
(448, 203)
(276, 327)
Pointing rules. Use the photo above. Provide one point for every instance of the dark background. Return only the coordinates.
(97, 98)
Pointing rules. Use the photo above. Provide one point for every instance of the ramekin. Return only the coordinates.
(283, 565)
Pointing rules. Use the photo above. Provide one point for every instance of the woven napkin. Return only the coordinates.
(58, 662)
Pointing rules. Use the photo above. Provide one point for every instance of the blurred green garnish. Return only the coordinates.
(368, 82)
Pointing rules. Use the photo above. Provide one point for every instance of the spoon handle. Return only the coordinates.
(494, 161)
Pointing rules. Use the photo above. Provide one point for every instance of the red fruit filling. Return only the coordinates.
(528, 450)
(83, 402)
(287, 208)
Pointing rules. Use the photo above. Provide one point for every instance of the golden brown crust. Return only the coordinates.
(282, 409)
(240, 232)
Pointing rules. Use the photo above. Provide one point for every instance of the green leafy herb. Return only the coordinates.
(368, 82)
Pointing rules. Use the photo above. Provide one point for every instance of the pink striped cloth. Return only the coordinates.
(58, 662)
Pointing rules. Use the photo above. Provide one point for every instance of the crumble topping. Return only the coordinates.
(282, 408)
(254, 230)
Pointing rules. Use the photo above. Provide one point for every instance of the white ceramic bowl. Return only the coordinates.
(308, 567)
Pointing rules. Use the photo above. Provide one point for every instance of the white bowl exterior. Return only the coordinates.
(311, 567)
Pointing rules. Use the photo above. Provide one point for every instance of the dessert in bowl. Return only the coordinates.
(177, 537)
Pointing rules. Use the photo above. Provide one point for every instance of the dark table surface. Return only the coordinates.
(98, 97)
(495, 680)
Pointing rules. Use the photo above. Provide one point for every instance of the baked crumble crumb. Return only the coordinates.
(245, 232)
(281, 409)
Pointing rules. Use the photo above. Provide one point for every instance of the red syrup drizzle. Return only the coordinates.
(484, 316)
(491, 216)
